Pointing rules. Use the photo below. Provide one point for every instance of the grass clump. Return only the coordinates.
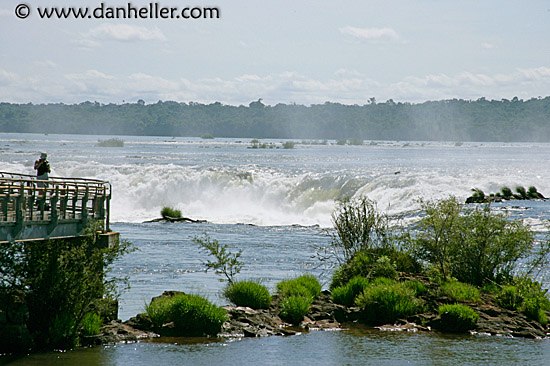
(289, 144)
(159, 310)
(459, 291)
(114, 142)
(345, 295)
(457, 318)
(248, 293)
(418, 287)
(306, 285)
(170, 213)
(526, 296)
(192, 315)
(386, 301)
(298, 294)
(294, 308)
(91, 324)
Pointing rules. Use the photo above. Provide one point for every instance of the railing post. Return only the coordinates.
(54, 217)
(84, 211)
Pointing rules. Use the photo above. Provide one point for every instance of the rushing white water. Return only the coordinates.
(224, 181)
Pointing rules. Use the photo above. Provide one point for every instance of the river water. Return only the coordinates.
(275, 205)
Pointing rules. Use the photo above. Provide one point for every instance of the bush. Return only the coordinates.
(288, 145)
(459, 291)
(474, 246)
(295, 308)
(61, 279)
(345, 295)
(526, 296)
(360, 228)
(193, 315)
(385, 302)
(248, 293)
(91, 324)
(207, 136)
(226, 263)
(384, 268)
(168, 212)
(457, 318)
(506, 193)
(305, 285)
(418, 287)
(114, 142)
(383, 262)
(159, 310)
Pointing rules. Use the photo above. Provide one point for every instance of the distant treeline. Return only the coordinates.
(449, 120)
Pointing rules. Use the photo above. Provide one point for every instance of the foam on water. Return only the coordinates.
(224, 182)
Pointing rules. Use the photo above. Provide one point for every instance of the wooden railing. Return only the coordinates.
(25, 201)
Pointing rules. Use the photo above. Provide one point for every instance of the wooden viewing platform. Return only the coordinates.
(32, 209)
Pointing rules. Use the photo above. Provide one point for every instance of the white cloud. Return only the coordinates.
(487, 46)
(86, 43)
(125, 33)
(371, 34)
(89, 75)
(7, 78)
(344, 86)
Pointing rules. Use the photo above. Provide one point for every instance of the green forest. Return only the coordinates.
(445, 120)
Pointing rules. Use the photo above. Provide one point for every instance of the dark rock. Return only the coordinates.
(116, 332)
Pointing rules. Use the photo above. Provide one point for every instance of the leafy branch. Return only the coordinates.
(225, 263)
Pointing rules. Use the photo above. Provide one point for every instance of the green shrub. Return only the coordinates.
(341, 141)
(226, 263)
(207, 136)
(491, 288)
(457, 318)
(458, 291)
(521, 192)
(510, 298)
(288, 145)
(532, 193)
(475, 246)
(360, 227)
(91, 324)
(506, 193)
(345, 295)
(193, 315)
(355, 141)
(168, 212)
(59, 280)
(526, 296)
(358, 266)
(114, 142)
(63, 332)
(305, 285)
(418, 287)
(159, 310)
(384, 268)
(385, 302)
(295, 308)
(248, 293)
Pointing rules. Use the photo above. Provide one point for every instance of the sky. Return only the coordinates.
(304, 52)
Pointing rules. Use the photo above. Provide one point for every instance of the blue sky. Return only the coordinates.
(304, 52)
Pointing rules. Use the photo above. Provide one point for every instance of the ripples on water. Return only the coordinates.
(353, 347)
